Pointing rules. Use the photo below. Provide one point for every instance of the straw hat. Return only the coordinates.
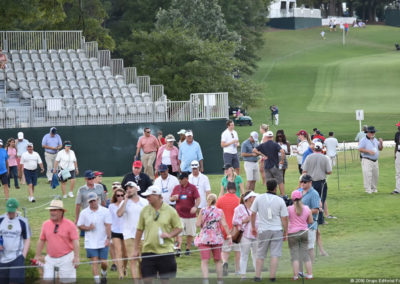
(56, 205)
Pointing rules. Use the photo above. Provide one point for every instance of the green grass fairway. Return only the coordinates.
(362, 243)
(320, 83)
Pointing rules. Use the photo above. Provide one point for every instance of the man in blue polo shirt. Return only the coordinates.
(312, 200)
(4, 169)
(369, 148)
(51, 143)
(189, 151)
(251, 160)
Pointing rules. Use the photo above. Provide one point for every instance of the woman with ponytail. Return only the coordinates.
(299, 218)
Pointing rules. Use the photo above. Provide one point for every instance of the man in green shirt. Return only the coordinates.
(160, 224)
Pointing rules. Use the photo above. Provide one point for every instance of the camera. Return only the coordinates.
(287, 200)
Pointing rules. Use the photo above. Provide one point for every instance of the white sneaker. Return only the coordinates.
(71, 194)
(33, 199)
(30, 198)
(65, 196)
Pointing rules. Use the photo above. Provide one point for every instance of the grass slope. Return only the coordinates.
(320, 83)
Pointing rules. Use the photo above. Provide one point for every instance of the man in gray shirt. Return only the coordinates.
(251, 160)
(272, 219)
(82, 196)
(317, 165)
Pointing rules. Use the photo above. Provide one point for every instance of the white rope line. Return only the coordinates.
(158, 255)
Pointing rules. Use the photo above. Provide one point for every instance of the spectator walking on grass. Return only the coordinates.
(62, 245)
(231, 176)
(251, 160)
(168, 155)
(369, 148)
(150, 145)
(229, 144)
(201, 182)
(182, 137)
(117, 237)
(189, 151)
(242, 219)
(29, 163)
(263, 129)
(285, 145)
(22, 147)
(68, 164)
(187, 200)
(272, 228)
(331, 144)
(95, 221)
(12, 162)
(4, 169)
(166, 182)
(160, 224)
(228, 202)
(299, 218)
(51, 143)
(16, 238)
(302, 146)
(138, 177)
(397, 159)
(210, 239)
(273, 163)
(129, 210)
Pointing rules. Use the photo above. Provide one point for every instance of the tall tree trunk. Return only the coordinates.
(332, 7)
(363, 10)
(339, 9)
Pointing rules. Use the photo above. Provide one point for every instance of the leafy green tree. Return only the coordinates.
(185, 63)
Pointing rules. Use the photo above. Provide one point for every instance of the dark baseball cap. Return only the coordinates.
(305, 178)
(162, 168)
(183, 175)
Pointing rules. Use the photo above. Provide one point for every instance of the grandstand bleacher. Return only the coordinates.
(56, 78)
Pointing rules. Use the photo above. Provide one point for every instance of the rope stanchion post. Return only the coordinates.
(344, 155)
(56, 269)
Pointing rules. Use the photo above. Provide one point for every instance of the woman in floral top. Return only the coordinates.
(241, 219)
(210, 237)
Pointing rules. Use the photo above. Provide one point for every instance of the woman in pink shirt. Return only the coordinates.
(241, 219)
(12, 161)
(299, 218)
(168, 155)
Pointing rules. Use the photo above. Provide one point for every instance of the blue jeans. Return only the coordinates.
(14, 174)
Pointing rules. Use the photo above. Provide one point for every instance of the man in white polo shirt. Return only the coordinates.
(202, 183)
(167, 183)
(95, 220)
(129, 210)
(29, 162)
(229, 143)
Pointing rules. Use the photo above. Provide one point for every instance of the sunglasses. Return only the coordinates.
(232, 135)
(91, 178)
(157, 216)
(119, 195)
(56, 229)
(148, 131)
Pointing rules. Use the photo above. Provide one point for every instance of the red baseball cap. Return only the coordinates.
(398, 124)
(97, 173)
(302, 132)
(137, 164)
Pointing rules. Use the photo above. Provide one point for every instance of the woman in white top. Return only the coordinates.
(263, 129)
(67, 162)
(285, 145)
(302, 146)
(168, 155)
(116, 232)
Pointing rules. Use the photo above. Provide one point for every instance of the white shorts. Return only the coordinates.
(189, 227)
(312, 236)
(252, 171)
(228, 248)
(66, 269)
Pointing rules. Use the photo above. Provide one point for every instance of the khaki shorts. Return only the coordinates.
(252, 171)
(312, 236)
(67, 271)
(189, 227)
(269, 240)
(130, 246)
(228, 248)
(274, 173)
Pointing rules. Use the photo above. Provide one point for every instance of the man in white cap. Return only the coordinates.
(201, 182)
(62, 248)
(272, 165)
(160, 224)
(229, 144)
(182, 136)
(251, 160)
(51, 143)
(189, 151)
(166, 182)
(95, 220)
(129, 210)
(4, 169)
(22, 146)
(29, 162)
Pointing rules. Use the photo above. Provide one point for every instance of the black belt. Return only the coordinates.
(370, 159)
(150, 152)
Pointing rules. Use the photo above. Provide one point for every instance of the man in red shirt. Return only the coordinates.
(187, 200)
(228, 202)
(149, 144)
(62, 240)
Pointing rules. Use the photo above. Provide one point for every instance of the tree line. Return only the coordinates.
(189, 46)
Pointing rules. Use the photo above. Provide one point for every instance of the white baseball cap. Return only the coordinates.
(251, 194)
(318, 145)
(189, 133)
(254, 135)
(268, 134)
(182, 131)
(152, 190)
(194, 164)
(20, 135)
